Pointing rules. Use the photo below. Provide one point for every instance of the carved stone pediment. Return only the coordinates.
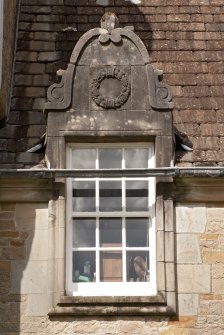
(109, 89)
(107, 60)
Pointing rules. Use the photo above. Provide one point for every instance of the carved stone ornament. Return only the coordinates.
(108, 24)
(103, 54)
(107, 102)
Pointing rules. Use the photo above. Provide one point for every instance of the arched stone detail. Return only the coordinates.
(59, 95)
(109, 89)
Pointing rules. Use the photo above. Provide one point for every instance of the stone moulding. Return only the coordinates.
(105, 102)
(60, 95)
(111, 306)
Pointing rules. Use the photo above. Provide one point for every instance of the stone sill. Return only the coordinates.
(112, 306)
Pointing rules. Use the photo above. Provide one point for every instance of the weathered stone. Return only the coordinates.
(194, 278)
(36, 238)
(188, 304)
(188, 251)
(29, 278)
(190, 218)
(37, 305)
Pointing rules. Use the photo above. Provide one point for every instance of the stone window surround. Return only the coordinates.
(164, 303)
(67, 124)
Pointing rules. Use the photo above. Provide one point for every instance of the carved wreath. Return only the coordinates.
(107, 102)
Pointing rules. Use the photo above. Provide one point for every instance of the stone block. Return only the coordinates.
(191, 218)
(29, 278)
(31, 216)
(37, 305)
(217, 286)
(188, 250)
(7, 224)
(188, 304)
(12, 253)
(217, 271)
(37, 245)
(160, 269)
(170, 277)
(160, 246)
(169, 213)
(169, 246)
(213, 256)
(194, 278)
(215, 214)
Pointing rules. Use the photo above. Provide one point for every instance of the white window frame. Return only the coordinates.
(112, 288)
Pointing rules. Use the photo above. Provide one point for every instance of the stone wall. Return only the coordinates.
(25, 272)
(184, 38)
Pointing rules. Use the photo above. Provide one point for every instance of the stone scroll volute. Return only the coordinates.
(110, 86)
(109, 49)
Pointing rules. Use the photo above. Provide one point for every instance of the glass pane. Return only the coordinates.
(110, 158)
(84, 266)
(137, 195)
(83, 159)
(137, 232)
(138, 266)
(83, 196)
(84, 233)
(110, 196)
(136, 158)
(111, 266)
(110, 232)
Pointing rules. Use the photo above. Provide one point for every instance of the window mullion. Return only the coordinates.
(97, 250)
(124, 266)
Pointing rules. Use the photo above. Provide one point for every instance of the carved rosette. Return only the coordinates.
(104, 101)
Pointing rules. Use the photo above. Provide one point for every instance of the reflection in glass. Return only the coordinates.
(137, 195)
(138, 266)
(111, 266)
(83, 159)
(84, 233)
(83, 196)
(110, 196)
(137, 232)
(84, 266)
(110, 158)
(110, 232)
(136, 158)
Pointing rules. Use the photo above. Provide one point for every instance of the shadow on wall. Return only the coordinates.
(23, 265)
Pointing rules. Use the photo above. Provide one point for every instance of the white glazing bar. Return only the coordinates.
(111, 214)
(123, 159)
(124, 268)
(97, 250)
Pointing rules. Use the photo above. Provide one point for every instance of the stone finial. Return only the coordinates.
(109, 21)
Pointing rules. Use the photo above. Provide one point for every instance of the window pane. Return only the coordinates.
(83, 159)
(136, 158)
(110, 196)
(84, 266)
(110, 158)
(138, 266)
(110, 232)
(137, 195)
(83, 196)
(84, 233)
(111, 266)
(137, 232)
